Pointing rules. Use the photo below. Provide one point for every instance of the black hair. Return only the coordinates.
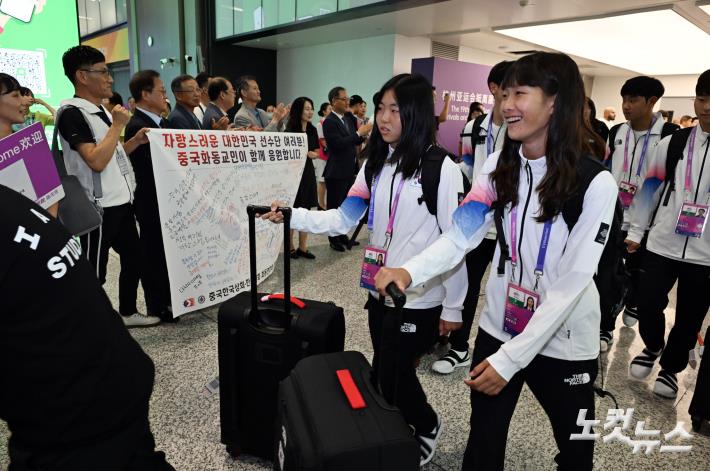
(356, 100)
(416, 114)
(116, 99)
(202, 78)
(9, 84)
(567, 135)
(334, 92)
(702, 88)
(244, 83)
(597, 145)
(497, 73)
(323, 106)
(216, 87)
(177, 82)
(24, 91)
(79, 57)
(142, 81)
(643, 86)
(475, 106)
(294, 116)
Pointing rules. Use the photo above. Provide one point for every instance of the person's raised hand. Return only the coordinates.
(222, 124)
(365, 129)
(141, 137)
(274, 215)
(120, 116)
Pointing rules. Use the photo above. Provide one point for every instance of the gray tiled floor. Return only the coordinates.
(185, 421)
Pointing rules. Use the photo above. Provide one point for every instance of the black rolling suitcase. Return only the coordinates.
(259, 344)
(700, 405)
(332, 417)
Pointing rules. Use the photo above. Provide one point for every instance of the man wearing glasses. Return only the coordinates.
(342, 139)
(89, 136)
(187, 97)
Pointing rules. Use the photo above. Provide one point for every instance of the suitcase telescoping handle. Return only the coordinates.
(398, 297)
(252, 211)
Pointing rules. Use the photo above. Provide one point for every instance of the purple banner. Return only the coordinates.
(27, 166)
(465, 83)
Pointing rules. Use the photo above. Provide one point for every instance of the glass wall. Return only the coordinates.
(233, 17)
(96, 15)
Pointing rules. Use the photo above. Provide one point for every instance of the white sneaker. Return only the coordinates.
(606, 338)
(666, 385)
(140, 320)
(452, 360)
(642, 364)
(630, 316)
(428, 442)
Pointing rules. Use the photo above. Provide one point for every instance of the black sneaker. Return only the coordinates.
(428, 442)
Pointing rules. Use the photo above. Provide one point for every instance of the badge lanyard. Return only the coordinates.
(542, 253)
(644, 149)
(689, 164)
(490, 143)
(393, 211)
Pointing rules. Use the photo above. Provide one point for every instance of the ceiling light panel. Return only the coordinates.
(648, 43)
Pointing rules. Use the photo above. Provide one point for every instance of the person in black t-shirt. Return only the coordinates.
(76, 385)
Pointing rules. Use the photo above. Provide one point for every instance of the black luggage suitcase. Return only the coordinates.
(259, 344)
(332, 417)
(700, 405)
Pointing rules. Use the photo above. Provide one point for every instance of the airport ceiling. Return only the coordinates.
(589, 30)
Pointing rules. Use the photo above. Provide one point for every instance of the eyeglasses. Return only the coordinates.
(104, 72)
(342, 98)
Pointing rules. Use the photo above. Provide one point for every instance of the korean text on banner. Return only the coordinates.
(204, 181)
(27, 166)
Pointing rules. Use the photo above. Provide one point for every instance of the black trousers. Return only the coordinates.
(132, 449)
(561, 387)
(633, 266)
(337, 190)
(156, 283)
(397, 348)
(118, 231)
(657, 279)
(477, 261)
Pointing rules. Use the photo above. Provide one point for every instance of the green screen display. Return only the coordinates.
(33, 36)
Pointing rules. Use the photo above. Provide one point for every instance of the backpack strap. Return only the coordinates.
(430, 174)
(675, 154)
(612, 137)
(500, 235)
(587, 169)
(668, 129)
(476, 128)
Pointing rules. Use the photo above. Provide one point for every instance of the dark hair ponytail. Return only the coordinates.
(567, 136)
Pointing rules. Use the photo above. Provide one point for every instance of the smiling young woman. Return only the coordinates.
(541, 320)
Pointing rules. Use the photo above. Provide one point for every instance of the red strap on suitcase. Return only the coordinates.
(350, 389)
(294, 300)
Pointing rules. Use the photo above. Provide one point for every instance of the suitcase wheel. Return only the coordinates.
(234, 451)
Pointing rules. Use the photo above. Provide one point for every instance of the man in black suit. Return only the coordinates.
(149, 92)
(342, 140)
(187, 96)
(222, 98)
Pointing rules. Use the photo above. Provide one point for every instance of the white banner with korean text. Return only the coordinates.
(204, 182)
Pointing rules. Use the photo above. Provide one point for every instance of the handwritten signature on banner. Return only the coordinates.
(205, 180)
